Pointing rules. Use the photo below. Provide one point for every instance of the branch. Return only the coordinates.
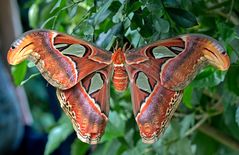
(196, 126)
(218, 5)
(219, 136)
(232, 18)
(212, 132)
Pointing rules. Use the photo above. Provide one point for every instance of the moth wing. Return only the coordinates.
(87, 105)
(63, 60)
(153, 104)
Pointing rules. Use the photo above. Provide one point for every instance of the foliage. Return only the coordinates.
(211, 100)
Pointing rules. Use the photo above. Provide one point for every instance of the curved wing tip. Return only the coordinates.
(150, 140)
(88, 139)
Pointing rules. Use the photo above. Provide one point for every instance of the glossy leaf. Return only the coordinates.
(134, 7)
(58, 134)
(229, 118)
(56, 6)
(200, 140)
(233, 79)
(186, 123)
(114, 128)
(187, 97)
(103, 12)
(182, 17)
(29, 78)
(136, 22)
(118, 17)
(110, 148)
(107, 38)
(19, 72)
(33, 15)
(237, 116)
(183, 146)
(79, 148)
(208, 78)
(161, 25)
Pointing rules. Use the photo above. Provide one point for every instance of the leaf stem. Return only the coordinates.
(195, 127)
(218, 5)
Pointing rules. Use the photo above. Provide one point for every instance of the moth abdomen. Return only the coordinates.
(120, 79)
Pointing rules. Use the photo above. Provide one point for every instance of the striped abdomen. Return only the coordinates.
(120, 78)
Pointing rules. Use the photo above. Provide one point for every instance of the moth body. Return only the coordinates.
(120, 77)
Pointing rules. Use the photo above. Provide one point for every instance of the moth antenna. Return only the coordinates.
(125, 48)
(116, 46)
(129, 47)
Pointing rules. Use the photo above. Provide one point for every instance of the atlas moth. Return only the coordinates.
(81, 72)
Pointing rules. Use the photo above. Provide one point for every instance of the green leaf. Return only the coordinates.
(79, 148)
(111, 147)
(140, 149)
(33, 15)
(115, 127)
(73, 11)
(146, 29)
(135, 37)
(102, 13)
(136, 22)
(237, 116)
(56, 6)
(183, 146)
(132, 8)
(84, 30)
(233, 79)
(187, 96)
(19, 72)
(171, 3)
(110, 44)
(106, 25)
(58, 134)
(182, 17)
(186, 123)
(172, 133)
(118, 17)
(105, 39)
(155, 7)
(29, 78)
(205, 145)
(44, 25)
(209, 77)
(230, 111)
(161, 25)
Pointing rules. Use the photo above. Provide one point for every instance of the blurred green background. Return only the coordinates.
(207, 120)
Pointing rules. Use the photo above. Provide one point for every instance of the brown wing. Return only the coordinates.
(196, 52)
(87, 105)
(156, 111)
(153, 104)
(160, 71)
(62, 59)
